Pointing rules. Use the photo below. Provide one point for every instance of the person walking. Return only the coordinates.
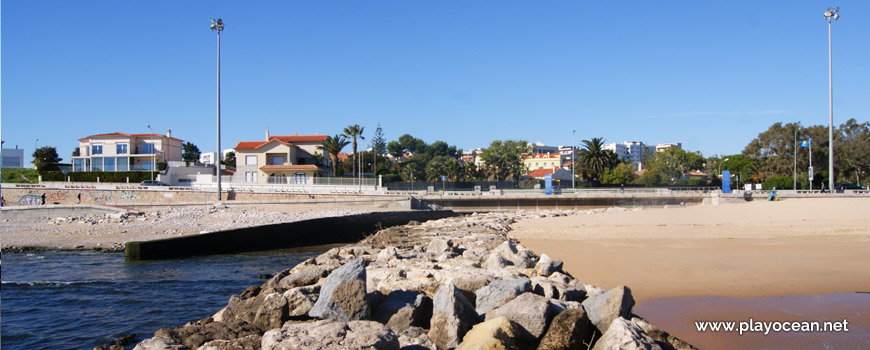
(79, 197)
(43, 199)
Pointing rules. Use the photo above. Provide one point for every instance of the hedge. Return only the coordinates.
(105, 176)
(780, 182)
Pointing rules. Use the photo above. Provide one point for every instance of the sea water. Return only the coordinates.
(81, 299)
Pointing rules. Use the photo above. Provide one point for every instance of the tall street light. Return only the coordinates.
(573, 176)
(218, 26)
(795, 156)
(831, 15)
(153, 153)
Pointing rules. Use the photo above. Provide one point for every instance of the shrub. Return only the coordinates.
(780, 182)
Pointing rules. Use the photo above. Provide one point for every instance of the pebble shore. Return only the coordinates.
(456, 283)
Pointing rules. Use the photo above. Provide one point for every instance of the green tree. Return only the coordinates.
(189, 152)
(594, 159)
(354, 131)
(504, 159)
(230, 160)
(76, 152)
(333, 145)
(378, 144)
(669, 165)
(852, 156)
(623, 173)
(46, 159)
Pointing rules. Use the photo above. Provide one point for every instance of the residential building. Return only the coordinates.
(126, 152)
(663, 146)
(539, 147)
(291, 159)
(473, 155)
(628, 151)
(542, 161)
(556, 174)
(208, 157)
(12, 157)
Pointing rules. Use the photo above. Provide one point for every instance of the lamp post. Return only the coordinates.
(153, 153)
(218, 26)
(831, 15)
(795, 157)
(573, 166)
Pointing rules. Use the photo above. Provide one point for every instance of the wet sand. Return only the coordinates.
(748, 250)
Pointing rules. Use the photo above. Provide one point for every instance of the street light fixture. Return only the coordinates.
(831, 15)
(218, 26)
(153, 153)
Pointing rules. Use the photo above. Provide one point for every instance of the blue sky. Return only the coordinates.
(709, 75)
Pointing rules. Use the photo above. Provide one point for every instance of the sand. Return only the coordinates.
(690, 263)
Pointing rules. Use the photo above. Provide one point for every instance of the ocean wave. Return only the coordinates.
(52, 283)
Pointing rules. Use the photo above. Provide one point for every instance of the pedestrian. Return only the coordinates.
(2, 201)
(823, 187)
(43, 199)
(79, 197)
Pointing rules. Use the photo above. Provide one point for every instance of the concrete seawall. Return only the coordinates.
(344, 229)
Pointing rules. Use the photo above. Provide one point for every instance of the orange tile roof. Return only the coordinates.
(539, 172)
(299, 138)
(258, 144)
(289, 167)
(542, 156)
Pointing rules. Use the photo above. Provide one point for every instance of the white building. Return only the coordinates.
(663, 146)
(208, 157)
(632, 151)
(126, 152)
(540, 148)
(12, 157)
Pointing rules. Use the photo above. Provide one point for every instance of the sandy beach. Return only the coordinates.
(747, 250)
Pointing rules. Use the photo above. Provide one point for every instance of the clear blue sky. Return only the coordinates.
(711, 75)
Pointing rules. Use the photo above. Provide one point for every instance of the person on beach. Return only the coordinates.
(43, 199)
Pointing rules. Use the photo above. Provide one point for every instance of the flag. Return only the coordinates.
(805, 143)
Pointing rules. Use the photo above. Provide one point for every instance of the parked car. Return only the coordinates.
(849, 186)
(153, 183)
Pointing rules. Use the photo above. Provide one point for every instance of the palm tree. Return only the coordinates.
(333, 145)
(595, 158)
(354, 131)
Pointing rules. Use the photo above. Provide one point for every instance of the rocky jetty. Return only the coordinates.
(456, 283)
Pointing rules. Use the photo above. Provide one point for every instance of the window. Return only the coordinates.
(11, 161)
(123, 163)
(97, 149)
(147, 148)
(109, 164)
(277, 160)
(78, 164)
(121, 148)
(251, 176)
(250, 160)
(300, 178)
(278, 179)
(96, 164)
(147, 165)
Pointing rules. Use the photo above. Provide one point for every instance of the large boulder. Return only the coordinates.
(500, 292)
(546, 266)
(192, 335)
(439, 245)
(556, 289)
(272, 312)
(452, 316)
(304, 277)
(531, 311)
(403, 309)
(331, 335)
(250, 342)
(415, 338)
(624, 335)
(343, 294)
(300, 300)
(664, 339)
(570, 329)
(159, 343)
(499, 333)
(602, 309)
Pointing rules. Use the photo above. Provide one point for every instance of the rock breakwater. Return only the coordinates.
(455, 283)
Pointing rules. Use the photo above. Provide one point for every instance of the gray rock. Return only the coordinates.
(546, 266)
(343, 294)
(387, 254)
(439, 245)
(499, 292)
(497, 333)
(300, 300)
(531, 311)
(554, 289)
(662, 338)
(159, 343)
(331, 335)
(193, 335)
(244, 343)
(452, 316)
(301, 278)
(602, 309)
(624, 335)
(496, 261)
(272, 312)
(415, 338)
(403, 309)
(570, 329)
